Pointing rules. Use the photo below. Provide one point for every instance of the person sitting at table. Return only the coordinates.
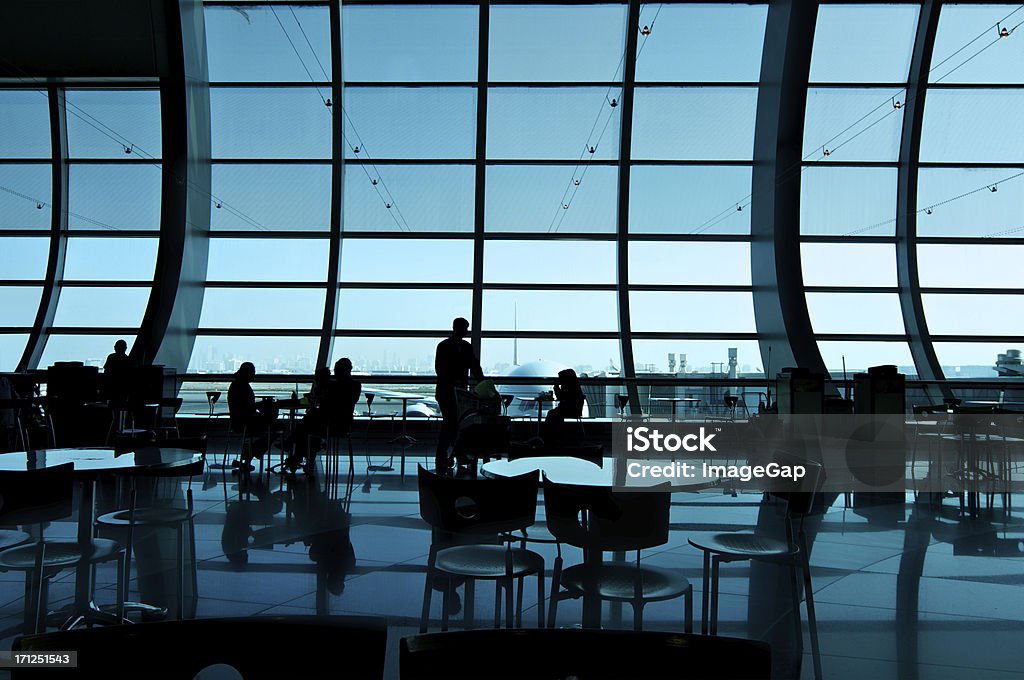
(246, 416)
(335, 399)
(570, 398)
(342, 395)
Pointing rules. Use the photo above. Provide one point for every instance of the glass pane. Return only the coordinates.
(532, 43)
(860, 356)
(691, 312)
(25, 200)
(853, 125)
(550, 310)
(699, 262)
(962, 24)
(101, 123)
(20, 304)
(257, 259)
(272, 197)
(969, 266)
(532, 198)
(697, 123)
(422, 197)
(286, 122)
(389, 355)
(413, 309)
(113, 197)
(848, 264)
(973, 125)
(12, 346)
(710, 357)
(262, 308)
(848, 201)
(973, 314)
(252, 44)
(685, 43)
(418, 43)
(25, 257)
(110, 259)
(855, 312)
(863, 44)
(92, 350)
(410, 122)
(101, 307)
(26, 129)
(219, 354)
(407, 261)
(689, 200)
(549, 262)
(962, 203)
(553, 123)
(548, 356)
(971, 359)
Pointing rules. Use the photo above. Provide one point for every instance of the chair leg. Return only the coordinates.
(427, 593)
(449, 587)
(39, 599)
(519, 602)
(195, 567)
(540, 598)
(812, 619)
(510, 585)
(468, 602)
(638, 616)
(497, 603)
(556, 577)
(713, 622)
(120, 597)
(705, 594)
(179, 560)
(798, 629)
(688, 613)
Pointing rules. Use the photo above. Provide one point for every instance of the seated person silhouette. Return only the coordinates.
(334, 403)
(246, 416)
(570, 398)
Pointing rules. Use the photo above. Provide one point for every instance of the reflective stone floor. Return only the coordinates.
(959, 584)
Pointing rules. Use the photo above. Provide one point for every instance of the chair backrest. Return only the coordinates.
(589, 452)
(181, 649)
(599, 518)
(556, 654)
(803, 494)
(485, 506)
(39, 495)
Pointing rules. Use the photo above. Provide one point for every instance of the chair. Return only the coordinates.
(554, 653)
(474, 512)
(163, 516)
(792, 551)
(38, 497)
(598, 519)
(295, 646)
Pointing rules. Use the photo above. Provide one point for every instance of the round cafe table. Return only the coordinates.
(89, 464)
(612, 473)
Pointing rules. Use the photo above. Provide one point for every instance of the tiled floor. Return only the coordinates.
(968, 620)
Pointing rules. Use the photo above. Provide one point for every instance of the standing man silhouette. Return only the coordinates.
(454, 362)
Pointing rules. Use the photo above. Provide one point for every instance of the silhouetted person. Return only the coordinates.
(454, 363)
(334, 403)
(117, 374)
(245, 415)
(570, 398)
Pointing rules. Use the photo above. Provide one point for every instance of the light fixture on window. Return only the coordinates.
(565, 206)
(129, 149)
(994, 188)
(576, 182)
(1003, 31)
(592, 149)
(373, 182)
(927, 211)
(328, 103)
(896, 104)
(388, 206)
(217, 205)
(645, 31)
(613, 103)
(39, 206)
(739, 208)
(825, 151)
(355, 149)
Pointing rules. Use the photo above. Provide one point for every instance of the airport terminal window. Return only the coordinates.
(27, 203)
(262, 308)
(691, 263)
(271, 196)
(401, 309)
(689, 199)
(532, 198)
(429, 198)
(863, 44)
(410, 122)
(694, 123)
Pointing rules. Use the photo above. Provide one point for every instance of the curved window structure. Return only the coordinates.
(583, 196)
